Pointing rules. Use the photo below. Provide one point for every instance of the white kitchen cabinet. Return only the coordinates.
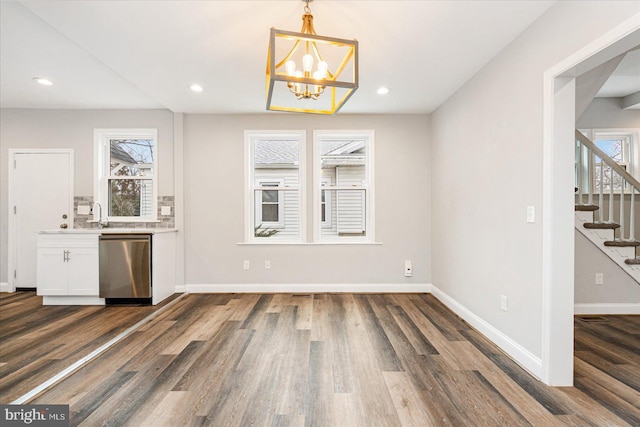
(68, 265)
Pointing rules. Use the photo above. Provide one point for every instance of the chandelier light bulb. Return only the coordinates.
(307, 62)
(323, 67)
(290, 66)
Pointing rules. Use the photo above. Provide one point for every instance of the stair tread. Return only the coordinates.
(601, 225)
(587, 208)
(622, 243)
(632, 261)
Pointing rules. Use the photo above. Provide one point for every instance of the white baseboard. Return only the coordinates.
(181, 289)
(519, 354)
(308, 287)
(610, 308)
(4, 287)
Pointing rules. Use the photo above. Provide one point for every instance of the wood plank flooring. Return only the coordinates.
(342, 360)
(37, 342)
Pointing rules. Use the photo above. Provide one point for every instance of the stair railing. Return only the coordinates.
(592, 177)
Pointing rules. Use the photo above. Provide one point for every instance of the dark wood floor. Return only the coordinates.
(37, 342)
(343, 359)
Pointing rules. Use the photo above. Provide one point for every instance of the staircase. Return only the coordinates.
(605, 205)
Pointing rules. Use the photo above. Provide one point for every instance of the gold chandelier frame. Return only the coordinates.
(333, 84)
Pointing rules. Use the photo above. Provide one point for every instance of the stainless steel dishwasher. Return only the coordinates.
(125, 268)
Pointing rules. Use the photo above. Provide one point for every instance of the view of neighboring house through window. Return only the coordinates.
(622, 147)
(126, 182)
(275, 176)
(343, 171)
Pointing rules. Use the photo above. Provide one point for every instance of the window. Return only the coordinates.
(343, 193)
(326, 204)
(275, 184)
(269, 206)
(126, 184)
(622, 146)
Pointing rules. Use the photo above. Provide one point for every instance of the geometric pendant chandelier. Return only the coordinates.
(308, 73)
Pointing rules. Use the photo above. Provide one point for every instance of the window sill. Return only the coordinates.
(119, 221)
(310, 243)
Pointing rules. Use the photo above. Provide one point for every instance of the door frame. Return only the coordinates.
(558, 224)
(12, 232)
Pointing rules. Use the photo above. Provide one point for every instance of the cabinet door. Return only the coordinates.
(83, 271)
(52, 276)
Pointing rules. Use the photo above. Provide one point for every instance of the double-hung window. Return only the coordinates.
(126, 171)
(274, 186)
(621, 145)
(343, 186)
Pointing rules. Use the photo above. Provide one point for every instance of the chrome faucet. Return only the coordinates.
(101, 223)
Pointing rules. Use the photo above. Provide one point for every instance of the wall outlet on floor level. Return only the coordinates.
(267, 264)
(504, 303)
(599, 279)
(246, 265)
(408, 269)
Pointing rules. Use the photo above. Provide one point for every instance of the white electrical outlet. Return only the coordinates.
(504, 303)
(267, 264)
(165, 210)
(246, 265)
(84, 209)
(599, 279)
(408, 269)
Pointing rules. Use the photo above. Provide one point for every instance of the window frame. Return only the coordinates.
(250, 136)
(630, 150)
(102, 176)
(258, 203)
(369, 186)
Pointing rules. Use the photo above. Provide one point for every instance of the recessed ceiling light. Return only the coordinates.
(383, 90)
(43, 81)
(196, 88)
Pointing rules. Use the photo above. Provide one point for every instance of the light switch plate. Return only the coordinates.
(84, 209)
(165, 210)
(531, 214)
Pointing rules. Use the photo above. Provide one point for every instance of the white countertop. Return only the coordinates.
(110, 231)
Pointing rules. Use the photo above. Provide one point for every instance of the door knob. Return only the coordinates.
(63, 225)
(64, 216)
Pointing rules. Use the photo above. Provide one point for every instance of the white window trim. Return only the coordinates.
(249, 210)
(267, 182)
(369, 137)
(101, 149)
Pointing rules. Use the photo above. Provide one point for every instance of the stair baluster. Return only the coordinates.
(610, 196)
(601, 195)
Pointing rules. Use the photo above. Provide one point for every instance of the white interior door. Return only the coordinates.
(42, 197)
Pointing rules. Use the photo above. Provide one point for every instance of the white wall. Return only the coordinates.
(26, 128)
(487, 148)
(605, 113)
(618, 286)
(214, 205)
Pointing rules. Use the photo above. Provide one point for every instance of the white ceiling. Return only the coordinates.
(146, 54)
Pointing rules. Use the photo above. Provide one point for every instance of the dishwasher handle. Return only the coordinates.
(144, 237)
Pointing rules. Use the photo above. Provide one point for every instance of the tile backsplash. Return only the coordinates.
(164, 221)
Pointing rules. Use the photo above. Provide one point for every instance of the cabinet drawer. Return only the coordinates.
(67, 241)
